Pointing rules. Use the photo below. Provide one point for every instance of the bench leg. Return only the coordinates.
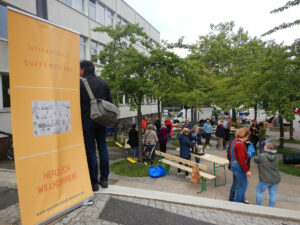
(167, 168)
(215, 167)
(203, 185)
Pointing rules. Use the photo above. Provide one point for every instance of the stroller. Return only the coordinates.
(148, 152)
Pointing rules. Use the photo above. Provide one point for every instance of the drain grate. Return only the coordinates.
(128, 213)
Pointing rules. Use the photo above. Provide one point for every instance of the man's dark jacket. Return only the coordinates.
(100, 90)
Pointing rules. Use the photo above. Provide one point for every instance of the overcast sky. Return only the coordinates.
(191, 18)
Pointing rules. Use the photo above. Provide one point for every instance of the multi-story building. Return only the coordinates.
(81, 16)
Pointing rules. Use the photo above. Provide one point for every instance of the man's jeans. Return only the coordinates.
(239, 183)
(260, 189)
(94, 132)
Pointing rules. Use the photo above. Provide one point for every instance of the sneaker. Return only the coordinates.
(104, 184)
(246, 201)
(95, 187)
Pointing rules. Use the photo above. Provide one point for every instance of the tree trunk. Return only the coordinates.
(291, 130)
(233, 115)
(185, 107)
(116, 132)
(255, 112)
(192, 115)
(139, 109)
(158, 109)
(281, 140)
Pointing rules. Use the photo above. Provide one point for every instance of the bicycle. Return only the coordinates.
(10, 148)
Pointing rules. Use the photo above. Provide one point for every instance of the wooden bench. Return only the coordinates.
(185, 161)
(203, 175)
(215, 160)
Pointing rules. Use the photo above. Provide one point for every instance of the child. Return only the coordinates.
(220, 134)
(269, 176)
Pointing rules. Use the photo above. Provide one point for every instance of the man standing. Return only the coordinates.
(93, 131)
(227, 126)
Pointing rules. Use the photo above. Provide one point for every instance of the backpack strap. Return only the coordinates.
(232, 149)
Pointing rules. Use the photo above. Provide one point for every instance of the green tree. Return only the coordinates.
(288, 5)
(223, 52)
(125, 68)
(165, 67)
(281, 84)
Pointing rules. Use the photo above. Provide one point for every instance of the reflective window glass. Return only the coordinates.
(3, 22)
(92, 11)
(100, 16)
(78, 5)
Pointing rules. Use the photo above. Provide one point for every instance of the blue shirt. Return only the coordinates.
(207, 128)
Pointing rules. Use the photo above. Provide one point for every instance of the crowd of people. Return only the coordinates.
(158, 132)
(154, 133)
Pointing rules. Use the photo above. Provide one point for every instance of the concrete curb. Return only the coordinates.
(262, 211)
(7, 170)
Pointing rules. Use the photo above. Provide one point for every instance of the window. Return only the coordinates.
(78, 5)
(67, 2)
(3, 22)
(92, 10)
(96, 48)
(180, 114)
(109, 18)
(100, 13)
(121, 20)
(75, 4)
(4, 82)
(82, 48)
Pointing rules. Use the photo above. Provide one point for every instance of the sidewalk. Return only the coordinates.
(131, 206)
(169, 197)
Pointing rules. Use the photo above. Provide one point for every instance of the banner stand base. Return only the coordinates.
(51, 219)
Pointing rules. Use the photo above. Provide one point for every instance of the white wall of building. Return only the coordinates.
(69, 17)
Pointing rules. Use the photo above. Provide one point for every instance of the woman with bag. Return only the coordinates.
(238, 162)
(185, 145)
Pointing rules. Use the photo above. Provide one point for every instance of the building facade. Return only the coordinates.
(81, 16)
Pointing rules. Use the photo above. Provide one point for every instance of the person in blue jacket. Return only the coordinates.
(208, 130)
(185, 145)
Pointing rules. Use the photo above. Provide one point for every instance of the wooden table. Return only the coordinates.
(215, 160)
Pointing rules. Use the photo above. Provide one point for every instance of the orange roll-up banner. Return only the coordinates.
(50, 159)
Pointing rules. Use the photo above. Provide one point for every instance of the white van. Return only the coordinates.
(200, 115)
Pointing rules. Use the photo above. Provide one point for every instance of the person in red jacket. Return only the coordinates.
(144, 124)
(238, 162)
(169, 125)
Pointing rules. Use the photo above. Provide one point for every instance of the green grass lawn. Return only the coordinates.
(292, 141)
(289, 169)
(125, 168)
(284, 150)
(111, 142)
(175, 143)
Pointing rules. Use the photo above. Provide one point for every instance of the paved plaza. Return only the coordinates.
(172, 196)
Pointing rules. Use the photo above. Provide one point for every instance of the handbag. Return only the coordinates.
(102, 112)
(157, 171)
(195, 175)
(251, 151)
